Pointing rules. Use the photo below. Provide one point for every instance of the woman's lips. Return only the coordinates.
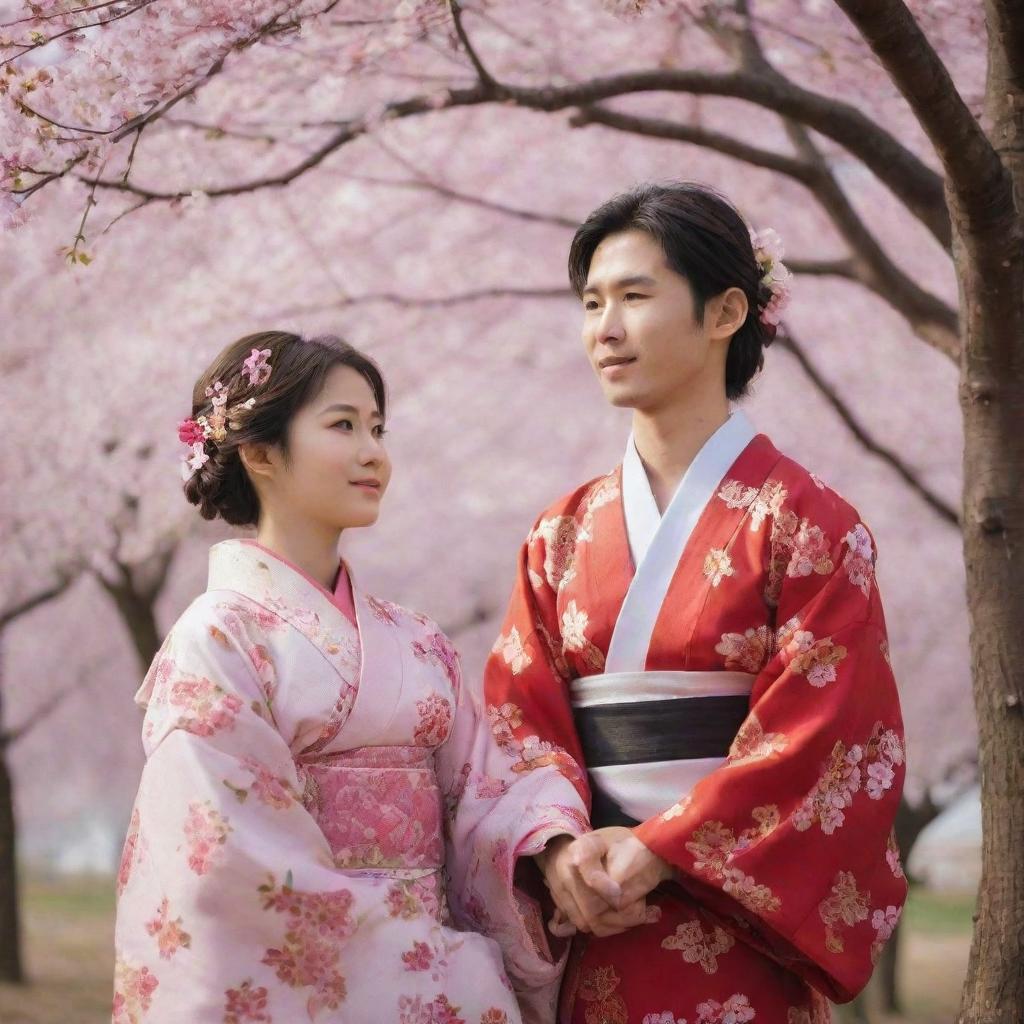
(369, 486)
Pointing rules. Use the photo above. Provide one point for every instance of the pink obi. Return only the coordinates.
(379, 807)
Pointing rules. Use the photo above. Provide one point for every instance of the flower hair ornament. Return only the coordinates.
(195, 434)
(257, 366)
(775, 277)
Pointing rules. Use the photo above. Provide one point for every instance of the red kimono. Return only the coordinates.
(756, 585)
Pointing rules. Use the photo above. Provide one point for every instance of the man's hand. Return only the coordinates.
(574, 875)
(590, 898)
(631, 865)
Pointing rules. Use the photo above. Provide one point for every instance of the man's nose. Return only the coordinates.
(610, 328)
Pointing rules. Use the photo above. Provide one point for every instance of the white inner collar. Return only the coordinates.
(715, 457)
(657, 542)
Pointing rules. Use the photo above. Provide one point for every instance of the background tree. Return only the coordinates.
(399, 163)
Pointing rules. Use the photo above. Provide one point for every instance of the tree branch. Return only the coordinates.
(918, 186)
(116, 16)
(657, 128)
(973, 168)
(429, 185)
(845, 268)
(483, 74)
(64, 580)
(421, 180)
(932, 320)
(346, 133)
(909, 178)
(889, 457)
(1006, 34)
(11, 736)
(427, 302)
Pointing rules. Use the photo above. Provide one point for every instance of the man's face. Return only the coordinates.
(639, 327)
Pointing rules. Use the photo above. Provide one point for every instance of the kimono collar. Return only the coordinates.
(657, 542)
(274, 583)
(704, 473)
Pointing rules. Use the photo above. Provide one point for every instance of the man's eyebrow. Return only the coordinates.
(625, 282)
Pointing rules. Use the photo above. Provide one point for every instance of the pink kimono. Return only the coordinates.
(321, 811)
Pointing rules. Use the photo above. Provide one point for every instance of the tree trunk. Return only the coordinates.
(10, 924)
(992, 397)
(990, 267)
(989, 256)
(887, 973)
(139, 616)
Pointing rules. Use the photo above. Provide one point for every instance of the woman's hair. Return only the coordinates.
(298, 368)
(706, 241)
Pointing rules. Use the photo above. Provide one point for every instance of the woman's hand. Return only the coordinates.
(580, 892)
(589, 897)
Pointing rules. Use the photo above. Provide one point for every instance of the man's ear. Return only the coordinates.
(259, 460)
(730, 312)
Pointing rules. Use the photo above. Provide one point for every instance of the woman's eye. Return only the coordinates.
(590, 305)
(635, 295)
(344, 424)
(379, 431)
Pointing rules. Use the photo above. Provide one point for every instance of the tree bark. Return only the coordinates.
(134, 590)
(984, 177)
(10, 921)
(992, 400)
(139, 616)
(989, 254)
(11, 969)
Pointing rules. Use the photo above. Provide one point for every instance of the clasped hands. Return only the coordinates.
(600, 881)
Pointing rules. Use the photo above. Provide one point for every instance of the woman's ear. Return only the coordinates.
(259, 460)
(731, 313)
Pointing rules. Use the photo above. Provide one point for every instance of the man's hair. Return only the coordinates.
(705, 240)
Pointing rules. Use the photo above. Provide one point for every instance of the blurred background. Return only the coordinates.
(437, 243)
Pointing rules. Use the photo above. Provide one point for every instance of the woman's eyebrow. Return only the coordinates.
(343, 407)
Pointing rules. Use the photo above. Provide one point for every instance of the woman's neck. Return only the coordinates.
(311, 548)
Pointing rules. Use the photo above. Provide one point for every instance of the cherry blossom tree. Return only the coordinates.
(380, 149)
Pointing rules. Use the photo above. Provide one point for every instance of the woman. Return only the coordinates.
(315, 769)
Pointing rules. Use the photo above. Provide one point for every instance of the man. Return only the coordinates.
(695, 642)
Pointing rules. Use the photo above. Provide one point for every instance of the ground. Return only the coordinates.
(69, 931)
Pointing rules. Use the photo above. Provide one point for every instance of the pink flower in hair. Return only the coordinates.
(775, 275)
(257, 366)
(193, 463)
(189, 432)
(218, 394)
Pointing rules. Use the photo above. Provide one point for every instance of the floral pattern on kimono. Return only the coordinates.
(777, 580)
(322, 813)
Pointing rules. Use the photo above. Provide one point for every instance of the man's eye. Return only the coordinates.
(635, 295)
(590, 305)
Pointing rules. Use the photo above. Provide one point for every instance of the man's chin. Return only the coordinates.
(622, 398)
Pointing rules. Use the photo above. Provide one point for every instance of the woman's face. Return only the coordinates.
(337, 469)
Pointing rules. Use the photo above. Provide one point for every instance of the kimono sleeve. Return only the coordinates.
(226, 890)
(790, 840)
(505, 799)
